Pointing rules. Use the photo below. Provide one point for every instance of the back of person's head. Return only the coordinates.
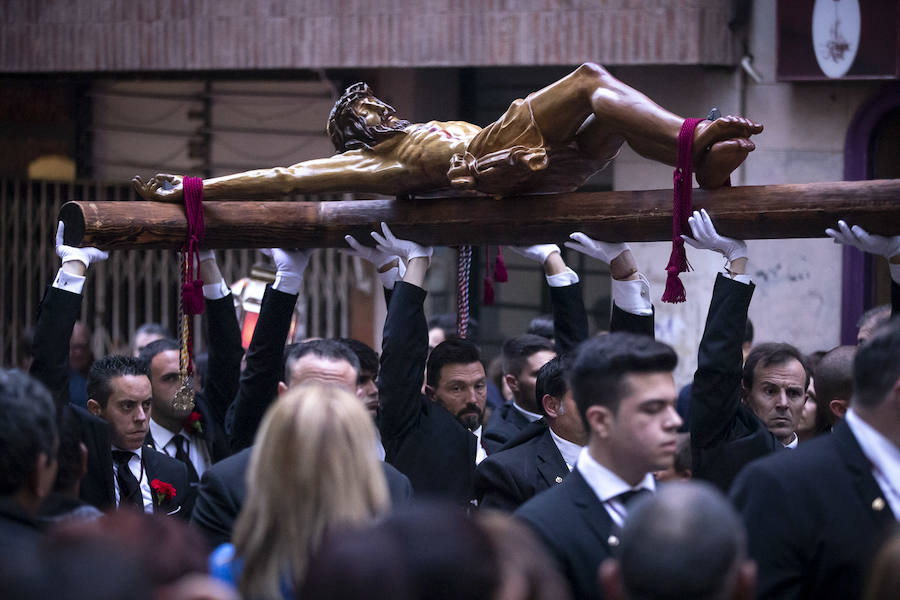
(312, 469)
(601, 365)
(453, 351)
(748, 332)
(426, 552)
(146, 333)
(771, 354)
(27, 430)
(541, 325)
(104, 370)
(148, 352)
(686, 541)
(876, 367)
(552, 379)
(328, 349)
(834, 377)
(446, 322)
(368, 358)
(884, 576)
(517, 350)
(871, 320)
(70, 456)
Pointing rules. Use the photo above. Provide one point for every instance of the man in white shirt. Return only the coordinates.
(623, 387)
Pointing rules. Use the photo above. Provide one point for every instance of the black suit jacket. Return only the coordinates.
(421, 438)
(725, 433)
(56, 317)
(576, 530)
(505, 424)
(813, 518)
(258, 386)
(223, 490)
(530, 464)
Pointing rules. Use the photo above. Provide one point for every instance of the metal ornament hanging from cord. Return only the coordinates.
(191, 299)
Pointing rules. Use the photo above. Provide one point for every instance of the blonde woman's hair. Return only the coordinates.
(312, 469)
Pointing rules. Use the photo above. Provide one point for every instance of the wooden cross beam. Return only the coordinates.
(747, 212)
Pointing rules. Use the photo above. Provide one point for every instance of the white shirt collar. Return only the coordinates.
(606, 484)
(793, 443)
(161, 435)
(138, 451)
(532, 417)
(480, 452)
(569, 450)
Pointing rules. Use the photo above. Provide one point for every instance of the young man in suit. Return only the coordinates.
(816, 516)
(622, 384)
(119, 392)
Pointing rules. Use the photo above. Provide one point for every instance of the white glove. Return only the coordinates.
(407, 250)
(387, 278)
(538, 253)
(707, 238)
(605, 251)
(86, 255)
(289, 267)
(882, 245)
(205, 255)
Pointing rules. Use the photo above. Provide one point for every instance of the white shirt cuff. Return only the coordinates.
(215, 291)
(895, 272)
(287, 283)
(743, 278)
(69, 282)
(633, 296)
(567, 277)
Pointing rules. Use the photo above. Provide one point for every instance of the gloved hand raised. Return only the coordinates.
(85, 256)
(289, 267)
(605, 251)
(707, 238)
(389, 244)
(389, 267)
(856, 236)
(538, 253)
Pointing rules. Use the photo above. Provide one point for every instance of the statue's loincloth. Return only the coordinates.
(510, 156)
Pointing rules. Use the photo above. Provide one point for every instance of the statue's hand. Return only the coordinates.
(162, 187)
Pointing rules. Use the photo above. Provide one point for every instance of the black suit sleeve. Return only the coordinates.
(716, 393)
(403, 355)
(225, 354)
(621, 320)
(56, 318)
(215, 510)
(495, 488)
(570, 323)
(895, 298)
(259, 382)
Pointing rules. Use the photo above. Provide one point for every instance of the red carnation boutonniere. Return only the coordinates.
(192, 423)
(164, 491)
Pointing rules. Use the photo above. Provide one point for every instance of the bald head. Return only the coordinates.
(684, 542)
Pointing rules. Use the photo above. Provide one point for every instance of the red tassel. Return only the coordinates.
(674, 288)
(500, 274)
(192, 297)
(488, 299)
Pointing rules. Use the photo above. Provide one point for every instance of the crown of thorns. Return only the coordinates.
(351, 94)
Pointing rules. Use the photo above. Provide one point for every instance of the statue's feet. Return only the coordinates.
(708, 133)
(714, 167)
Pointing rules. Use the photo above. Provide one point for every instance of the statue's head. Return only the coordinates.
(360, 120)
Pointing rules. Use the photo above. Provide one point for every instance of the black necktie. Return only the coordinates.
(626, 497)
(182, 454)
(129, 487)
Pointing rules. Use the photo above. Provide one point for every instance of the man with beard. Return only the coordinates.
(435, 438)
(552, 141)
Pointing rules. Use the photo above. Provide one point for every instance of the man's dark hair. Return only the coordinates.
(330, 349)
(517, 350)
(834, 378)
(601, 364)
(552, 379)
(454, 351)
(148, 352)
(686, 541)
(348, 130)
(447, 323)
(770, 354)
(153, 329)
(104, 370)
(368, 358)
(748, 332)
(874, 316)
(876, 367)
(542, 325)
(27, 428)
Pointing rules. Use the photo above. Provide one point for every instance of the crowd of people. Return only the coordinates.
(322, 469)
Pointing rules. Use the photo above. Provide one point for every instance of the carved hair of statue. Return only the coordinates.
(349, 131)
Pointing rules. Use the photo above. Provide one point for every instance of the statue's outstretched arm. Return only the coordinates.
(353, 171)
